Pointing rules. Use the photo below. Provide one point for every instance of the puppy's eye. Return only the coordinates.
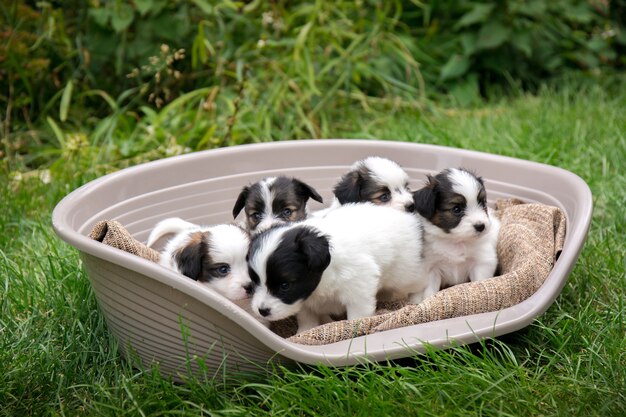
(287, 212)
(284, 286)
(257, 216)
(222, 270)
(385, 197)
(457, 209)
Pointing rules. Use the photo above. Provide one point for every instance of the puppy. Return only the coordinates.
(214, 256)
(460, 231)
(336, 264)
(274, 200)
(377, 180)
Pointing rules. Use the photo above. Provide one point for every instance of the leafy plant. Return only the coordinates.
(143, 78)
(34, 54)
(516, 40)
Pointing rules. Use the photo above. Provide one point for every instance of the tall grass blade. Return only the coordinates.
(66, 99)
(58, 133)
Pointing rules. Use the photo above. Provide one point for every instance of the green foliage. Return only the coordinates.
(34, 50)
(136, 80)
(526, 41)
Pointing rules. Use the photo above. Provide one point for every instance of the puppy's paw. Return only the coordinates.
(416, 298)
(307, 320)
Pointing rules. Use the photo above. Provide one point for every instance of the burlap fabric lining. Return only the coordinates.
(531, 237)
(112, 233)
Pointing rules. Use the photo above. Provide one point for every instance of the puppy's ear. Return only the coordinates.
(241, 201)
(190, 258)
(315, 248)
(309, 191)
(426, 198)
(348, 189)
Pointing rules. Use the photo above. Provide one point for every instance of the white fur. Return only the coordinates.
(228, 244)
(323, 212)
(386, 172)
(168, 226)
(372, 248)
(462, 254)
(393, 176)
(269, 218)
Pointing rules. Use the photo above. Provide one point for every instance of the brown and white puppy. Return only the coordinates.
(274, 200)
(214, 255)
(376, 180)
(460, 231)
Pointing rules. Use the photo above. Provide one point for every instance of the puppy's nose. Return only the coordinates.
(264, 311)
(410, 207)
(249, 288)
(479, 227)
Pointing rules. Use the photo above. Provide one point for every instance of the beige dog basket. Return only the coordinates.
(162, 316)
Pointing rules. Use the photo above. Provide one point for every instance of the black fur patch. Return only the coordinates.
(289, 203)
(291, 194)
(295, 268)
(241, 201)
(254, 276)
(445, 216)
(438, 203)
(482, 198)
(348, 189)
(425, 199)
(361, 186)
(192, 258)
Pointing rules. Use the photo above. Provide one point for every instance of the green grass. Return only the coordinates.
(57, 357)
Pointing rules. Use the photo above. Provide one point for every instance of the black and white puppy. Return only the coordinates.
(214, 255)
(376, 180)
(274, 200)
(336, 264)
(460, 231)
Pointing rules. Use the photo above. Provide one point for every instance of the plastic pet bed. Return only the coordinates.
(159, 315)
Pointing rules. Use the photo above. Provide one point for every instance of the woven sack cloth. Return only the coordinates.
(531, 237)
(112, 233)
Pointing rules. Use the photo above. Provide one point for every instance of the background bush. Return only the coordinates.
(118, 78)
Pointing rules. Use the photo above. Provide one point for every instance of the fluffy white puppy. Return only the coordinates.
(214, 255)
(336, 264)
(460, 231)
